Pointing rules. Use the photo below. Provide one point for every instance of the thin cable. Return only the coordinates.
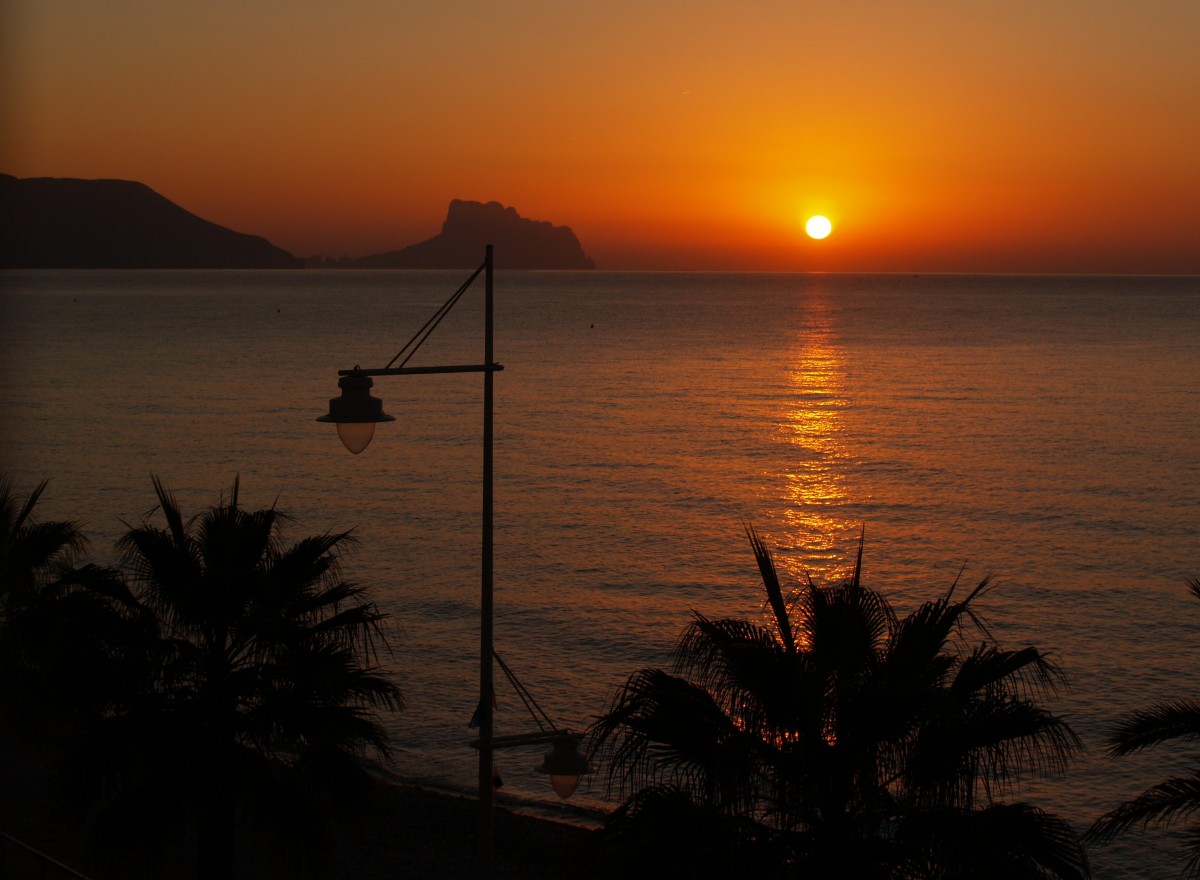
(428, 327)
(539, 716)
(527, 698)
(421, 335)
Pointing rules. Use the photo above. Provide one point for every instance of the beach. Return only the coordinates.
(396, 830)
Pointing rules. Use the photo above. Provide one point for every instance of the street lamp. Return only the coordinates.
(565, 764)
(356, 412)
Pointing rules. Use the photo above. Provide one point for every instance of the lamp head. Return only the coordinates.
(356, 412)
(565, 764)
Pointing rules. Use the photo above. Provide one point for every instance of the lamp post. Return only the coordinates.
(356, 412)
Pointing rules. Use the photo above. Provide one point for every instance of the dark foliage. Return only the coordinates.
(836, 739)
(216, 679)
(1174, 799)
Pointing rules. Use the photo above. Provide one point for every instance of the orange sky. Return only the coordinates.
(938, 136)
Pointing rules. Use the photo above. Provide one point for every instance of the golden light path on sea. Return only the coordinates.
(814, 526)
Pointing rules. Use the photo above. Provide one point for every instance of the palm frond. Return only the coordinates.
(170, 510)
(771, 692)
(1026, 671)
(1174, 798)
(770, 577)
(1191, 847)
(16, 516)
(986, 747)
(856, 577)
(845, 627)
(709, 650)
(663, 729)
(38, 551)
(916, 653)
(1158, 724)
(31, 553)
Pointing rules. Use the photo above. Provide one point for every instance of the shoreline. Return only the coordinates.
(433, 834)
(398, 829)
(559, 811)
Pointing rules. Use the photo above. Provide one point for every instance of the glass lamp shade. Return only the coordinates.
(356, 436)
(564, 784)
(565, 764)
(356, 412)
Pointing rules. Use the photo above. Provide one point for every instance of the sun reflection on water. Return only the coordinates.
(813, 529)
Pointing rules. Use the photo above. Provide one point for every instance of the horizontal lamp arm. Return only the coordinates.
(403, 371)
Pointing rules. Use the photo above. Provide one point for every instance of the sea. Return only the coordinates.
(1040, 430)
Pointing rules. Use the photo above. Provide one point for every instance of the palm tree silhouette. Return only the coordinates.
(32, 553)
(839, 740)
(249, 683)
(33, 556)
(1176, 797)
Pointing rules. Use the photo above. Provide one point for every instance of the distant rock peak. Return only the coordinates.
(519, 243)
(463, 210)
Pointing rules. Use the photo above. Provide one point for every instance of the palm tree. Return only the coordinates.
(836, 739)
(1176, 797)
(31, 552)
(33, 556)
(250, 683)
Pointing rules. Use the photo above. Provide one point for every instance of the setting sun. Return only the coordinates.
(709, 148)
(818, 227)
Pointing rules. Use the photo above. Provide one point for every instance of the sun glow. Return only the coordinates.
(818, 227)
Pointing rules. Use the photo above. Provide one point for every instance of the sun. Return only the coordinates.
(818, 227)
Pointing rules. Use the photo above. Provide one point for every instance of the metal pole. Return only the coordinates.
(486, 636)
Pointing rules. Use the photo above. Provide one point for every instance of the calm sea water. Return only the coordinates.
(1040, 429)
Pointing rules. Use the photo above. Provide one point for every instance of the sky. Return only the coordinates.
(937, 135)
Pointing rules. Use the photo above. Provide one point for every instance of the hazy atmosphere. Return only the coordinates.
(936, 136)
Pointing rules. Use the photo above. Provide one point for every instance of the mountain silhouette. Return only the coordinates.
(64, 223)
(470, 226)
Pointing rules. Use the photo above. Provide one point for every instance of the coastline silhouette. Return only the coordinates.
(66, 223)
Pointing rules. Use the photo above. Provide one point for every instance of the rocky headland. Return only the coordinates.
(65, 223)
(520, 243)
